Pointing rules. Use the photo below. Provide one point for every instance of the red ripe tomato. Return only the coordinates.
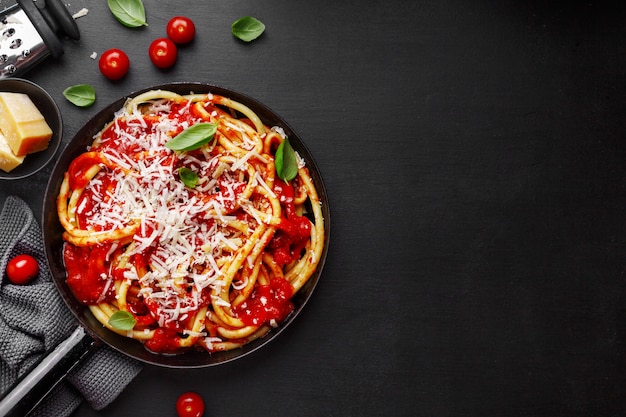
(190, 404)
(181, 29)
(163, 52)
(114, 64)
(22, 269)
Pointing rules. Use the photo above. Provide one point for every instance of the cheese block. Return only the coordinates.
(8, 160)
(22, 124)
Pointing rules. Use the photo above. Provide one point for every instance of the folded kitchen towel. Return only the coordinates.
(34, 319)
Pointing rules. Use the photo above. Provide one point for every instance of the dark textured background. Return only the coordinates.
(474, 158)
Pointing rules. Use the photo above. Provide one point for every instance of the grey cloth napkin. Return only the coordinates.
(34, 319)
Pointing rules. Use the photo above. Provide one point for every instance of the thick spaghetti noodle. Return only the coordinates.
(213, 263)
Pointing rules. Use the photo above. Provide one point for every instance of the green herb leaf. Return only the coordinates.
(188, 177)
(81, 95)
(122, 320)
(247, 28)
(193, 137)
(286, 162)
(130, 13)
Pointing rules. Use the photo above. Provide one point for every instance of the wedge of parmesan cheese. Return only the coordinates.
(8, 160)
(22, 124)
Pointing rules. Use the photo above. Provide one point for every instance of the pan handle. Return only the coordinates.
(38, 382)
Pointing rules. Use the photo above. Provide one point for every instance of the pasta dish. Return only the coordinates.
(183, 228)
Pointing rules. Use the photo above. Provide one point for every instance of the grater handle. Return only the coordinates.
(41, 24)
(59, 14)
(50, 19)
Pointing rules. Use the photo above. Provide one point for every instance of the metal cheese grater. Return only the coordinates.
(30, 31)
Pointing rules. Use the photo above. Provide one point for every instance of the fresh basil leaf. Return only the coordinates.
(188, 177)
(286, 162)
(81, 95)
(193, 137)
(130, 13)
(247, 28)
(122, 320)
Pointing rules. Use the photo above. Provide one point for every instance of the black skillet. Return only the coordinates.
(91, 333)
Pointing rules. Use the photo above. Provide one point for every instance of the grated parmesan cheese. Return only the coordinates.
(185, 234)
(147, 191)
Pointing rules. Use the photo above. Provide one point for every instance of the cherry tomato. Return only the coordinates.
(22, 269)
(190, 404)
(163, 52)
(114, 64)
(181, 29)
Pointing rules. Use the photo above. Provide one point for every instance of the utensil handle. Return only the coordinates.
(38, 382)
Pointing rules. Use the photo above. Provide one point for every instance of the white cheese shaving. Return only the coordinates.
(209, 341)
(81, 13)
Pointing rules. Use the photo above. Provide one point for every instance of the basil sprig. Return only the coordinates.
(286, 162)
(247, 28)
(130, 13)
(122, 320)
(188, 177)
(81, 95)
(193, 137)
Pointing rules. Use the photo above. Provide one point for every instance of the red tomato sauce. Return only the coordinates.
(87, 273)
(78, 168)
(267, 303)
(163, 341)
(293, 230)
(89, 209)
(110, 139)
